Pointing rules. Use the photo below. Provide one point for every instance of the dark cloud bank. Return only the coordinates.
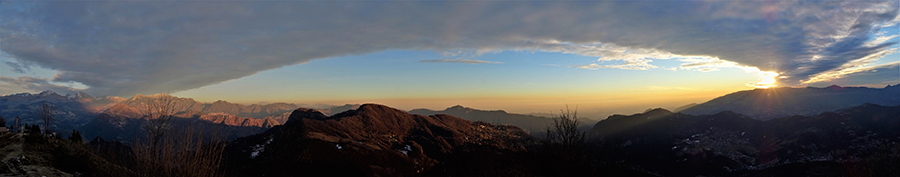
(123, 48)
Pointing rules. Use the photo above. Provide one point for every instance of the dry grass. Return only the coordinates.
(187, 152)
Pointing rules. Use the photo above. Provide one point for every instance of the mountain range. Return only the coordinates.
(535, 125)
(707, 139)
(779, 102)
(118, 118)
(70, 111)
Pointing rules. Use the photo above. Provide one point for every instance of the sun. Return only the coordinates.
(767, 80)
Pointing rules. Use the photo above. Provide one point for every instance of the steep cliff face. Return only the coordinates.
(373, 139)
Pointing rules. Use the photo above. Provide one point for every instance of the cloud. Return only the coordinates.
(856, 72)
(123, 48)
(32, 83)
(467, 61)
(639, 64)
(872, 76)
(18, 68)
(706, 64)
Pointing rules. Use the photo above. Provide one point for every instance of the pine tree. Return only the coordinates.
(75, 137)
(2, 122)
(35, 129)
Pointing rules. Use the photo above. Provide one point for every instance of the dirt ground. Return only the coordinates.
(16, 161)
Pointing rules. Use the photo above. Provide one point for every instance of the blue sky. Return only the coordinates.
(514, 55)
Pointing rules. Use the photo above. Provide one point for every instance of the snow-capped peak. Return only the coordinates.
(47, 93)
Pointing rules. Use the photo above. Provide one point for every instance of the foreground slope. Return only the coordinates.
(725, 144)
(772, 103)
(372, 140)
(32, 154)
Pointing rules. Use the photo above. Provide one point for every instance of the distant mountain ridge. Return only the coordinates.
(122, 123)
(529, 123)
(339, 109)
(90, 114)
(70, 111)
(772, 103)
(220, 106)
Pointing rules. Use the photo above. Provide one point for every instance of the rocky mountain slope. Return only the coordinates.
(371, 140)
(123, 123)
(85, 112)
(188, 104)
(69, 111)
(772, 103)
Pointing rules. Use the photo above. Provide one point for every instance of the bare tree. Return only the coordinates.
(186, 151)
(46, 112)
(16, 125)
(564, 129)
(159, 112)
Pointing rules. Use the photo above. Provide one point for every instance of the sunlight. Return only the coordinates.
(767, 80)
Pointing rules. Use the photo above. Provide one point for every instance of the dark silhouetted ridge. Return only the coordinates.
(765, 104)
(734, 144)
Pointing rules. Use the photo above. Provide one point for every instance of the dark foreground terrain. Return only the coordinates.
(376, 140)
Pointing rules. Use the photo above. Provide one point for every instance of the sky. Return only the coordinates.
(520, 56)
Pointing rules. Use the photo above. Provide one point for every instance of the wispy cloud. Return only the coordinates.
(844, 72)
(467, 61)
(641, 64)
(706, 64)
(32, 83)
(18, 68)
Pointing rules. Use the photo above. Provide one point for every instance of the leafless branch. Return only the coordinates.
(46, 112)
